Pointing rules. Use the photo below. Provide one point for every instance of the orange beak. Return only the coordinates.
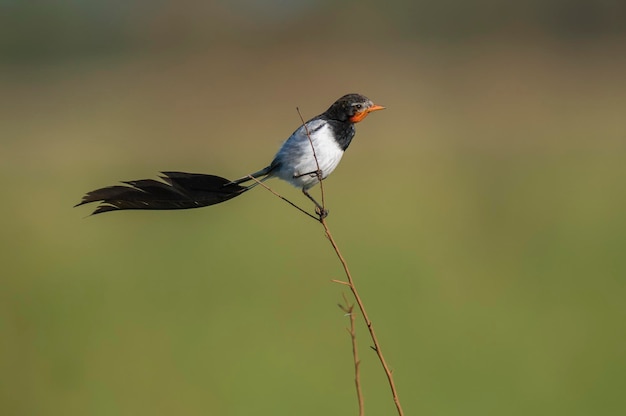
(361, 115)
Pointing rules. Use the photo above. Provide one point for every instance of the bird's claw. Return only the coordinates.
(321, 212)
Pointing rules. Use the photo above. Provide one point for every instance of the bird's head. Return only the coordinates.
(352, 107)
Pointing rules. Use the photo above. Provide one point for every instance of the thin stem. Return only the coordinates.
(317, 164)
(370, 327)
(348, 309)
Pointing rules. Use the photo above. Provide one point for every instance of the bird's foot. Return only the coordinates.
(315, 173)
(321, 212)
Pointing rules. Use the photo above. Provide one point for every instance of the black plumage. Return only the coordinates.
(177, 190)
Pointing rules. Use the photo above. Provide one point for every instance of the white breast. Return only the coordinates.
(295, 158)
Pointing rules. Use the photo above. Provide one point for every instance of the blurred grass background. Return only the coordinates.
(482, 214)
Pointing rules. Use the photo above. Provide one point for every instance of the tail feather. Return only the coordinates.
(178, 190)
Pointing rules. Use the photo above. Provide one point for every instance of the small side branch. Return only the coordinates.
(317, 165)
(283, 198)
(348, 309)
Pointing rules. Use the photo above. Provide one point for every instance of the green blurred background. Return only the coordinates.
(482, 214)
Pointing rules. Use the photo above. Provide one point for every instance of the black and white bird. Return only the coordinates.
(313, 151)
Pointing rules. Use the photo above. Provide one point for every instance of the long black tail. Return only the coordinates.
(177, 190)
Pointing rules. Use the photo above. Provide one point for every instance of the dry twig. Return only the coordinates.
(348, 309)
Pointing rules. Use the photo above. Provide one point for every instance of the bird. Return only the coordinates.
(309, 155)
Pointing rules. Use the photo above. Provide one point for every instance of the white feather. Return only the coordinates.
(295, 160)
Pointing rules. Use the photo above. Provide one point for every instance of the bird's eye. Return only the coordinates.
(358, 106)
